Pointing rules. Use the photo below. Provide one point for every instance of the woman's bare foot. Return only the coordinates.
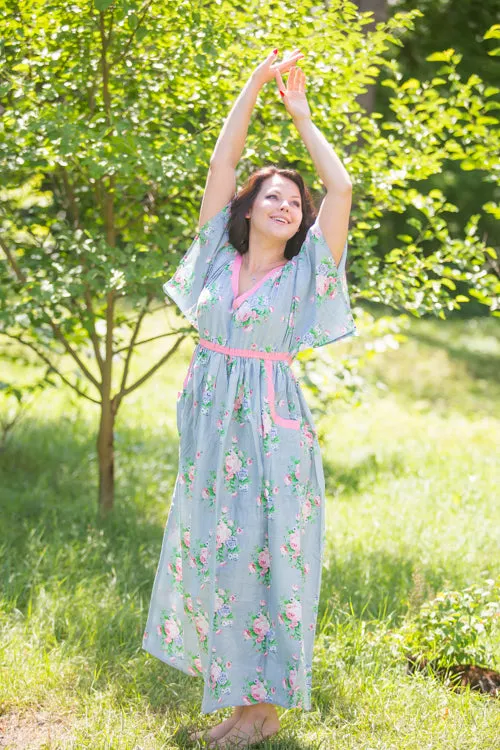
(219, 730)
(254, 724)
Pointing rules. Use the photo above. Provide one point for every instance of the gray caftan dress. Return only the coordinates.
(236, 591)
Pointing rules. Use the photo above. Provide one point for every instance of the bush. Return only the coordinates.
(456, 627)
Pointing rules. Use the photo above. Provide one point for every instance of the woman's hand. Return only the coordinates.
(267, 70)
(294, 97)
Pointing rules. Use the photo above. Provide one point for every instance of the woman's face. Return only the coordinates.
(277, 208)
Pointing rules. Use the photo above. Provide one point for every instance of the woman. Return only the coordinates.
(236, 591)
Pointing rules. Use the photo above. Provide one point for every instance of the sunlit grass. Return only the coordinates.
(412, 486)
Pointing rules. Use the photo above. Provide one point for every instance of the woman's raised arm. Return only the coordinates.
(221, 180)
(333, 215)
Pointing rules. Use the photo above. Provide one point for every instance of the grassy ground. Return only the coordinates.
(412, 490)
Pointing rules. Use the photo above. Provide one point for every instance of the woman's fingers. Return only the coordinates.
(290, 61)
(279, 80)
(296, 77)
(292, 79)
(297, 80)
(301, 81)
(293, 55)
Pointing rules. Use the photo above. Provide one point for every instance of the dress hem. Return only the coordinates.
(177, 665)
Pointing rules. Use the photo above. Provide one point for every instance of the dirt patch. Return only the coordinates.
(33, 729)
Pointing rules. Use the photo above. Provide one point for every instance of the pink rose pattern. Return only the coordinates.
(183, 278)
(236, 593)
(222, 422)
(169, 630)
(292, 477)
(308, 434)
(290, 319)
(260, 630)
(258, 690)
(195, 667)
(266, 498)
(209, 492)
(236, 469)
(290, 616)
(226, 539)
(199, 621)
(210, 296)
(310, 506)
(327, 280)
(185, 540)
(187, 475)
(174, 567)
(200, 558)
(223, 613)
(260, 564)
(219, 682)
(242, 408)
(292, 683)
(292, 549)
(207, 395)
(268, 430)
(251, 311)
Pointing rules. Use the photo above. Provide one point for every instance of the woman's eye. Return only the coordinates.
(296, 203)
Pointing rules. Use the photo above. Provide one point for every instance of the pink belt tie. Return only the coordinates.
(268, 357)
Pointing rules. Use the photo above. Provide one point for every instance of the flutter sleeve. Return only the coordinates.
(321, 309)
(195, 268)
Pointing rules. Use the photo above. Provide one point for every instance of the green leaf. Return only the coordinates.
(102, 5)
(443, 56)
(411, 83)
(133, 20)
(493, 32)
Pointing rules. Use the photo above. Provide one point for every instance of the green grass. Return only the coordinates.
(412, 488)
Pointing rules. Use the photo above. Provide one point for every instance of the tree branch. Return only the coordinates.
(155, 367)
(13, 262)
(130, 347)
(49, 363)
(128, 320)
(146, 341)
(73, 208)
(120, 57)
(56, 330)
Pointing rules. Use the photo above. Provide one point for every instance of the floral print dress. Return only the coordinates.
(236, 592)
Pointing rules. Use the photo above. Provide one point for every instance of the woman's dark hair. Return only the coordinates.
(238, 225)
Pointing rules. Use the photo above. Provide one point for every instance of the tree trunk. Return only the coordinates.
(106, 456)
(380, 13)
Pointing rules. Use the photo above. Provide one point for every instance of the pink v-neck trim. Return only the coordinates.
(235, 281)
